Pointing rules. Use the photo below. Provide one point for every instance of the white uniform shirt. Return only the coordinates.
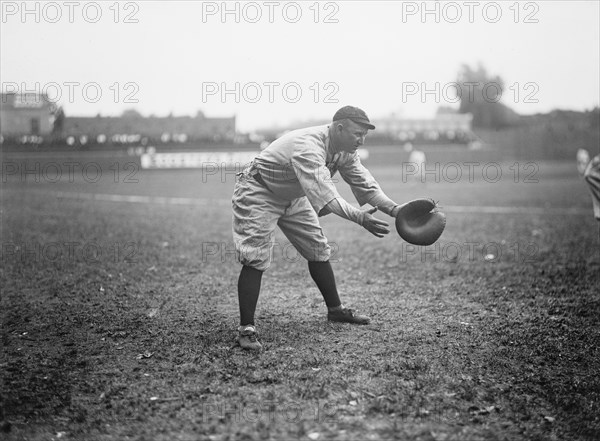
(302, 162)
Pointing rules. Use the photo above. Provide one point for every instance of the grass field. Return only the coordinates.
(119, 315)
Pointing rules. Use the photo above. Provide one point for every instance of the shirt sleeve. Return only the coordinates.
(343, 209)
(365, 188)
(314, 177)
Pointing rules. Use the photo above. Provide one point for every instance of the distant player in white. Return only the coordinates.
(416, 159)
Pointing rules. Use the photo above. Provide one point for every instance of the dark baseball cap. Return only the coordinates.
(354, 114)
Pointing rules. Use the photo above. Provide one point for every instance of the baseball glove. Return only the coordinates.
(419, 222)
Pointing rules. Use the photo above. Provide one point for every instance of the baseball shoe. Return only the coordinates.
(248, 338)
(347, 315)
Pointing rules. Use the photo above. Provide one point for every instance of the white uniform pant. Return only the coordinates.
(256, 214)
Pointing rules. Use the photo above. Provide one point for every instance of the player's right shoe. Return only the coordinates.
(248, 338)
(347, 315)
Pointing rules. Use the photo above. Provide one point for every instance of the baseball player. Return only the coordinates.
(289, 185)
(590, 170)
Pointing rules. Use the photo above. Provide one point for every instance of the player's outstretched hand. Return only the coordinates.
(375, 226)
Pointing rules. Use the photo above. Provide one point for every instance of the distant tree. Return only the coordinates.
(480, 95)
(445, 110)
(595, 117)
(131, 113)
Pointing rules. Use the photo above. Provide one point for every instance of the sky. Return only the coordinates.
(278, 62)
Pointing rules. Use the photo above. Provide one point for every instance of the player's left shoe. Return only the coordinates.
(347, 315)
(248, 338)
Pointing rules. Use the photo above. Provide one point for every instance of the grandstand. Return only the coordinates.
(134, 128)
(32, 120)
(26, 117)
(443, 128)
